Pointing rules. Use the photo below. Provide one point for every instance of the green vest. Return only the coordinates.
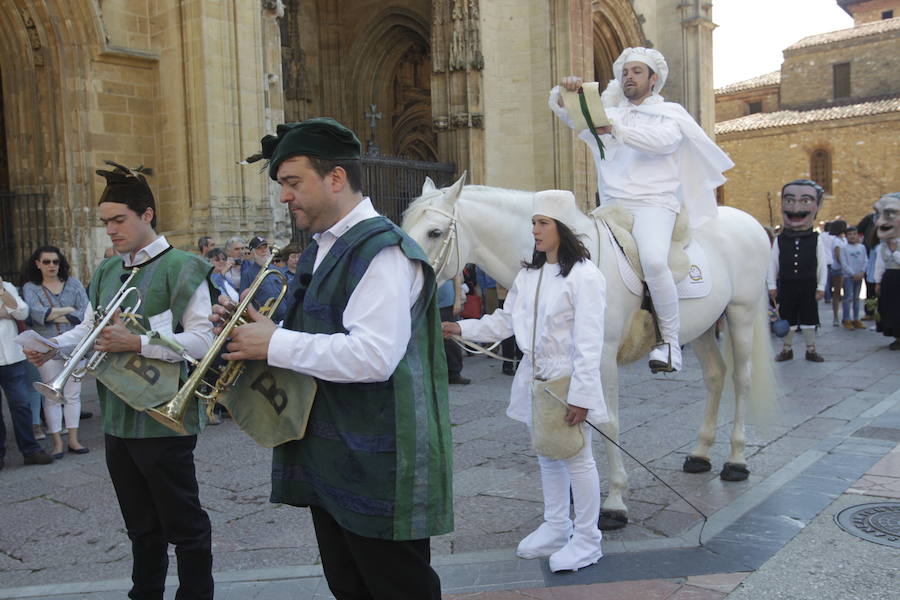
(166, 282)
(376, 456)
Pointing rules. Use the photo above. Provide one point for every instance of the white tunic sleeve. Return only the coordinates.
(585, 389)
(772, 277)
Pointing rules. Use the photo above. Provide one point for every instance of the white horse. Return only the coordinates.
(491, 227)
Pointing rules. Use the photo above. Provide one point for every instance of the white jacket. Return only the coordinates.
(569, 334)
(11, 352)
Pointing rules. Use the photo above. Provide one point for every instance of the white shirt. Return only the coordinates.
(197, 335)
(641, 167)
(828, 244)
(821, 266)
(568, 336)
(884, 259)
(377, 317)
(11, 352)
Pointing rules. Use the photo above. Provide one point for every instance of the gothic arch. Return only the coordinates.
(391, 65)
(45, 48)
(616, 27)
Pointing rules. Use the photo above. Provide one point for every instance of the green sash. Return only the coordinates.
(138, 381)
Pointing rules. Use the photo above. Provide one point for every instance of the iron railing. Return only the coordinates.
(392, 184)
(23, 227)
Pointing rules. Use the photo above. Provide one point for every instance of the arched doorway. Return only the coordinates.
(616, 27)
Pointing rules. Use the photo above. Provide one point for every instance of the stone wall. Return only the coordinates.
(863, 154)
(806, 74)
(866, 12)
(733, 106)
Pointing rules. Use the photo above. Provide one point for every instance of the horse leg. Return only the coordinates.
(713, 367)
(614, 514)
(741, 327)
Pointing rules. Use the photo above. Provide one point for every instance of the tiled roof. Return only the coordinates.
(773, 78)
(863, 30)
(782, 118)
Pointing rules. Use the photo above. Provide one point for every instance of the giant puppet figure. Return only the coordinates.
(887, 266)
(797, 269)
(653, 160)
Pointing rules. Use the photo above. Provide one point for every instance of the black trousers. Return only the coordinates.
(156, 486)
(451, 348)
(361, 568)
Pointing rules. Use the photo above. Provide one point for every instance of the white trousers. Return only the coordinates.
(652, 233)
(580, 473)
(53, 409)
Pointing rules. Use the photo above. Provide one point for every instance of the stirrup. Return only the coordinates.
(658, 366)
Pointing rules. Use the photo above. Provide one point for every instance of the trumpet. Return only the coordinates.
(171, 414)
(54, 389)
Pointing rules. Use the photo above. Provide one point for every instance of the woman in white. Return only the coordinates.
(568, 341)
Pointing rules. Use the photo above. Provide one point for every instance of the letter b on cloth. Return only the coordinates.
(269, 404)
(138, 364)
(266, 385)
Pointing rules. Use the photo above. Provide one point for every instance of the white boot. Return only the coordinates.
(556, 529)
(664, 295)
(584, 548)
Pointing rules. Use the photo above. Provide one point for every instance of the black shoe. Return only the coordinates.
(658, 366)
(82, 450)
(784, 355)
(813, 356)
(39, 458)
(86, 414)
(895, 345)
(459, 380)
(2, 462)
(509, 369)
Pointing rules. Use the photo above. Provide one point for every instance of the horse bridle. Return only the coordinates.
(442, 258)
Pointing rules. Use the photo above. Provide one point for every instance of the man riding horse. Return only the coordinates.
(652, 159)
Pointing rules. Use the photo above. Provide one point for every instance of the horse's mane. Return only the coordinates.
(417, 208)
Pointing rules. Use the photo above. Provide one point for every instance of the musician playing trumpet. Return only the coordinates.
(151, 467)
(375, 463)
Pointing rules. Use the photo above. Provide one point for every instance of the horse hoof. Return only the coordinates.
(734, 472)
(695, 464)
(612, 519)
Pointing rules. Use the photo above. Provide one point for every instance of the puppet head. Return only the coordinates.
(887, 216)
(801, 200)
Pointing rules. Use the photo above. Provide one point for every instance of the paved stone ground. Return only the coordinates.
(60, 523)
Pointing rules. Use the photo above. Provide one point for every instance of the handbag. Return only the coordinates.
(780, 327)
(551, 436)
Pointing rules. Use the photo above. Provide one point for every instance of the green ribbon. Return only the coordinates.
(590, 122)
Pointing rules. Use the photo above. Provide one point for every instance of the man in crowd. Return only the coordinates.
(14, 381)
(236, 250)
(205, 244)
(798, 267)
(652, 159)
(151, 467)
(375, 464)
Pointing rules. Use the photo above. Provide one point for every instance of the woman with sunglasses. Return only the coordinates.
(57, 303)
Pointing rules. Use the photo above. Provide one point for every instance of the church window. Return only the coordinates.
(820, 168)
(841, 73)
(887, 14)
(754, 107)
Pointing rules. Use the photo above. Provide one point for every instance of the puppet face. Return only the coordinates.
(887, 218)
(799, 207)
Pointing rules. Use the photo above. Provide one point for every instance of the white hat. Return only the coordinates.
(590, 93)
(654, 59)
(557, 204)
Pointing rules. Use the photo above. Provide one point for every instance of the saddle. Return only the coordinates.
(640, 335)
(620, 222)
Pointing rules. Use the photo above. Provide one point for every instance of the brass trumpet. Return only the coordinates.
(171, 414)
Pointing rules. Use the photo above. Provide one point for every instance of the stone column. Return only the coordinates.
(456, 85)
(697, 72)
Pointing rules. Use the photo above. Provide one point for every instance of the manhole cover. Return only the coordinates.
(878, 522)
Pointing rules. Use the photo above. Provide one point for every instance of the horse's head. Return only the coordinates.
(431, 221)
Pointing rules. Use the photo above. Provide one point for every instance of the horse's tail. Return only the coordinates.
(763, 398)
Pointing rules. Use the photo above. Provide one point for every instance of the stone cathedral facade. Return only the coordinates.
(188, 88)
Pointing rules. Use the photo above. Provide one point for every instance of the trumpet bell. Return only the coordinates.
(49, 390)
(170, 414)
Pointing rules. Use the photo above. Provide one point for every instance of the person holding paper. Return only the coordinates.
(57, 303)
(653, 159)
